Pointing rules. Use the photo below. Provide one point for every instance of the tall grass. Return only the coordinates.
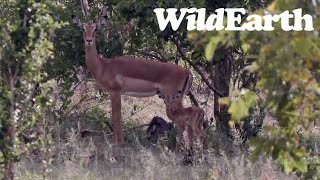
(93, 158)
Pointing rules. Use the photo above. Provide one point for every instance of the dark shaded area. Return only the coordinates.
(157, 128)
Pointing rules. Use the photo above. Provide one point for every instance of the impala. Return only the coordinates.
(188, 119)
(130, 76)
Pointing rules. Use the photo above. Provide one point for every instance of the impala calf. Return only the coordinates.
(189, 119)
(129, 76)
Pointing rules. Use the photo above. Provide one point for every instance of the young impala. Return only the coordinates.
(189, 119)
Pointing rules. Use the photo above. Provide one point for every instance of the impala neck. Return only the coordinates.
(92, 59)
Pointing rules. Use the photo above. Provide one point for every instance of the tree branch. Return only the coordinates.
(149, 54)
(203, 77)
(193, 99)
(85, 8)
(159, 53)
(80, 82)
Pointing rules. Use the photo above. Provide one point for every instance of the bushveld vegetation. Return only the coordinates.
(259, 90)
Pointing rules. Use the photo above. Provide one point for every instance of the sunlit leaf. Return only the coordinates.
(239, 108)
(211, 47)
(301, 165)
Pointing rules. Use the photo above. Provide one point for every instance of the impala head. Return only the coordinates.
(173, 101)
(89, 29)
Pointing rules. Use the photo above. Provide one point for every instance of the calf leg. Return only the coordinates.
(179, 138)
(190, 136)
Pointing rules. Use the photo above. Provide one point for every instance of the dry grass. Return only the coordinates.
(92, 157)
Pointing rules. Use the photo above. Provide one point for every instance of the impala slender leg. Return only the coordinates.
(201, 139)
(179, 137)
(202, 136)
(190, 137)
(120, 132)
(117, 137)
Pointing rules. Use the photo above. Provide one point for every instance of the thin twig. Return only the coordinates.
(79, 83)
(82, 100)
(193, 99)
(152, 55)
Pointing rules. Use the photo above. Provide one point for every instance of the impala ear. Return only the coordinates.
(76, 21)
(101, 22)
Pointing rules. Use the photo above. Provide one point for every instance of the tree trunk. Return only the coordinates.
(9, 134)
(221, 75)
(8, 155)
(9, 131)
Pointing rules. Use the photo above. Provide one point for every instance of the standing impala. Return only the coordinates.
(131, 76)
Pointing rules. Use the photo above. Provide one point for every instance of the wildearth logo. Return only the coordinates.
(196, 20)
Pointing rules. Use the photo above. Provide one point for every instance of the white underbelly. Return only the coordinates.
(137, 87)
(140, 94)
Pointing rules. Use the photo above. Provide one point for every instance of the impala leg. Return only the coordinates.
(190, 137)
(117, 137)
(201, 130)
(200, 139)
(202, 136)
(179, 137)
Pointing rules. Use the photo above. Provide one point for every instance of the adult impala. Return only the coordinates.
(131, 76)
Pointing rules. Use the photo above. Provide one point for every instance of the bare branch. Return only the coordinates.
(149, 54)
(105, 12)
(159, 53)
(193, 99)
(25, 19)
(80, 82)
(85, 8)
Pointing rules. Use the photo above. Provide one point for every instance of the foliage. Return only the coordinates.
(287, 65)
(26, 44)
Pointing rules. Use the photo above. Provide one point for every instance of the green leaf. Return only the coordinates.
(300, 152)
(275, 152)
(302, 45)
(252, 68)
(211, 47)
(245, 47)
(301, 166)
(288, 166)
(239, 108)
(199, 3)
